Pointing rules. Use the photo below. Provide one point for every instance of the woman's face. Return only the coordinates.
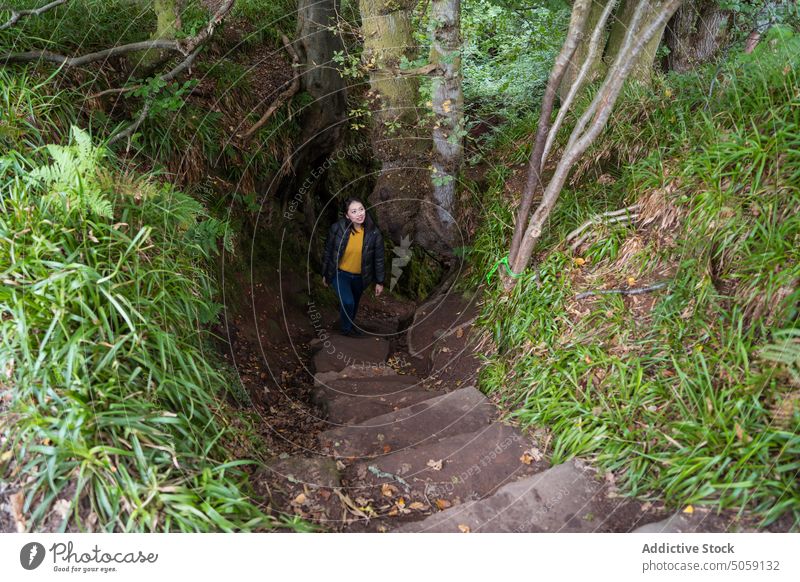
(356, 212)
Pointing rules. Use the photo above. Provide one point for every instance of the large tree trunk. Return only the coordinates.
(695, 34)
(323, 120)
(436, 225)
(643, 67)
(403, 153)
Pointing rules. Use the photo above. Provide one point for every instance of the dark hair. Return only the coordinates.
(369, 224)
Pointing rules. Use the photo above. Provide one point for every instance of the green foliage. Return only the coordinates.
(509, 48)
(115, 397)
(693, 399)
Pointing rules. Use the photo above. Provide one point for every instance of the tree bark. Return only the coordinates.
(403, 180)
(597, 66)
(436, 225)
(695, 34)
(642, 69)
(323, 121)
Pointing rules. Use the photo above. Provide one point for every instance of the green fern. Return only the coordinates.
(72, 179)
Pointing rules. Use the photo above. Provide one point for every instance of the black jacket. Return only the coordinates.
(372, 253)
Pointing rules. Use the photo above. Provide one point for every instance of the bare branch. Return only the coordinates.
(133, 126)
(423, 70)
(16, 15)
(30, 56)
(634, 291)
(284, 96)
(601, 218)
(186, 47)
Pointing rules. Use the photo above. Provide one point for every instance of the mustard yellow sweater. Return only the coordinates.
(351, 260)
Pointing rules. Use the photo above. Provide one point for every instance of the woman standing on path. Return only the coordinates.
(353, 260)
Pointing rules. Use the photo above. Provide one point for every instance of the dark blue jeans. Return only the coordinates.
(348, 288)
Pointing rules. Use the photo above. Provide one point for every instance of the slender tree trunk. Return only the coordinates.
(695, 34)
(436, 228)
(402, 152)
(533, 184)
(634, 43)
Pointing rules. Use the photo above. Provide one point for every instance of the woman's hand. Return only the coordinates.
(378, 289)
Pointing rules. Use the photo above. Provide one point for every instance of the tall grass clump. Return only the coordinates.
(110, 400)
(690, 393)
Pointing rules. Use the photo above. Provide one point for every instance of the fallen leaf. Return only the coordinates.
(418, 505)
(526, 458)
(300, 499)
(17, 500)
(463, 528)
(688, 509)
(435, 465)
(579, 261)
(386, 448)
(401, 503)
(631, 281)
(388, 490)
(443, 503)
(460, 332)
(61, 507)
(393, 511)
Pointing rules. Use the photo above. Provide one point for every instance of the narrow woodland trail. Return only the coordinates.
(426, 451)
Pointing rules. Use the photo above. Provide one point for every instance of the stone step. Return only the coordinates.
(362, 386)
(449, 471)
(564, 498)
(462, 411)
(338, 352)
(355, 409)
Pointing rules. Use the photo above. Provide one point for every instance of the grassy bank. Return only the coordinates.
(113, 405)
(690, 391)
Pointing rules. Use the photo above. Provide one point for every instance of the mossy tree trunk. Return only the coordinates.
(398, 144)
(168, 23)
(437, 226)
